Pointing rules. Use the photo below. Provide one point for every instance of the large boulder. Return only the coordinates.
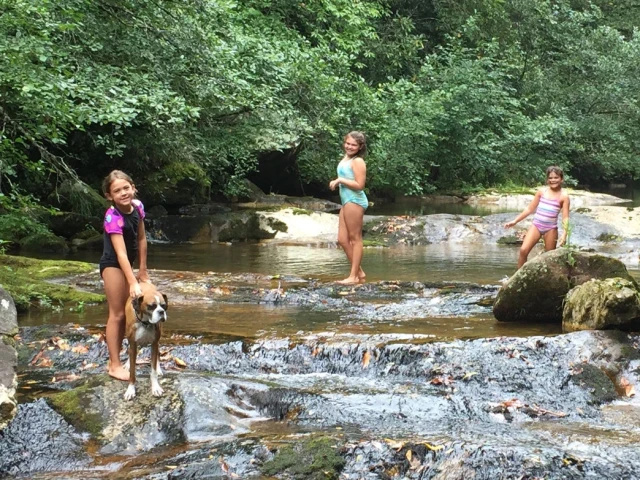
(602, 304)
(8, 358)
(536, 292)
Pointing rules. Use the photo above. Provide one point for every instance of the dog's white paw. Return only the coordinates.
(156, 390)
(130, 393)
(158, 370)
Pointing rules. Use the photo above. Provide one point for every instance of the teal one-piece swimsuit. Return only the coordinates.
(345, 170)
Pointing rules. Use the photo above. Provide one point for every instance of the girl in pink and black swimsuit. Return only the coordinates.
(547, 204)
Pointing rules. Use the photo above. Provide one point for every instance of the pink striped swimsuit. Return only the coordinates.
(546, 216)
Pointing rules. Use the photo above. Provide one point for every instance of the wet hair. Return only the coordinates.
(112, 177)
(360, 140)
(555, 169)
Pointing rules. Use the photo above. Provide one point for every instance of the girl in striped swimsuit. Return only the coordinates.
(547, 204)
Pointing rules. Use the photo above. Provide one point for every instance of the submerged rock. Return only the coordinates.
(536, 292)
(602, 304)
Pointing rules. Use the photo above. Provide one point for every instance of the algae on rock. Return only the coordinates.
(26, 279)
(602, 304)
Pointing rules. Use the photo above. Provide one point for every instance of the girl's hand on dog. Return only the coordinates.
(143, 276)
(134, 290)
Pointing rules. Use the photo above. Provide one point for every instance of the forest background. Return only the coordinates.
(192, 97)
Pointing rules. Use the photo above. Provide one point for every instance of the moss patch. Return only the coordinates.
(71, 404)
(373, 243)
(607, 237)
(26, 280)
(301, 211)
(316, 459)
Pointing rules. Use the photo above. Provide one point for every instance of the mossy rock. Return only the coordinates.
(87, 234)
(608, 237)
(73, 406)
(26, 280)
(69, 224)
(536, 292)
(373, 243)
(317, 459)
(301, 211)
(613, 303)
(44, 242)
(596, 382)
(509, 240)
(94, 243)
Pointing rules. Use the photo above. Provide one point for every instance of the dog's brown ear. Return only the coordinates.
(166, 303)
(135, 303)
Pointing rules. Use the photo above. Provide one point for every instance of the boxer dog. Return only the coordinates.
(144, 317)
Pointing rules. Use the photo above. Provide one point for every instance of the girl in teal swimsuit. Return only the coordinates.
(352, 173)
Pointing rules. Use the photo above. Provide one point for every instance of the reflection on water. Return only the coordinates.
(220, 322)
(414, 206)
(485, 264)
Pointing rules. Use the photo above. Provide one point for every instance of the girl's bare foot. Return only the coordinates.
(349, 281)
(119, 373)
(362, 276)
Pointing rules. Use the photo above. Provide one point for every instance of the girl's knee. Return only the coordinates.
(116, 318)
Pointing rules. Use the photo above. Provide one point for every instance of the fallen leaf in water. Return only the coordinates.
(365, 359)
(179, 362)
(223, 465)
(80, 349)
(434, 448)
(171, 467)
(468, 375)
(221, 291)
(444, 380)
(394, 444)
(45, 362)
(65, 377)
(628, 389)
(88, 366)
(409, 454)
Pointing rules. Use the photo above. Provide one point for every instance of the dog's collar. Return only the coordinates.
(139, 319)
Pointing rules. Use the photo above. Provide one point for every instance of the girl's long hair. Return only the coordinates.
(361, 140)
(113, 176)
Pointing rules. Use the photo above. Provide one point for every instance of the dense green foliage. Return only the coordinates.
(187, 94)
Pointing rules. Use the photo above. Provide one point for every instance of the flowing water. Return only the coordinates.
(221, 323)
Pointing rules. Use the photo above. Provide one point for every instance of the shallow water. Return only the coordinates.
(483, 264)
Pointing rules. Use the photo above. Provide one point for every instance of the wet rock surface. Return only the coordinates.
(381, 301)
(536, 292)
(489, 408)
(8, 358)
(40, 440)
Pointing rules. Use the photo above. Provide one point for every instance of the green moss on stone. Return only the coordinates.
(71, 404)
(26, 281)
(301, 211)
(373, 243)
(316, 459)
(607, 237)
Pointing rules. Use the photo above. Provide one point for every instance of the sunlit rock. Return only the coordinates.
(536, 292)
(602, 304)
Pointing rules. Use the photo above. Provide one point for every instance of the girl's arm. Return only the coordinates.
(566, 204)
(143, 275)
(527, 211)
(359, 172)
(117, 240)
